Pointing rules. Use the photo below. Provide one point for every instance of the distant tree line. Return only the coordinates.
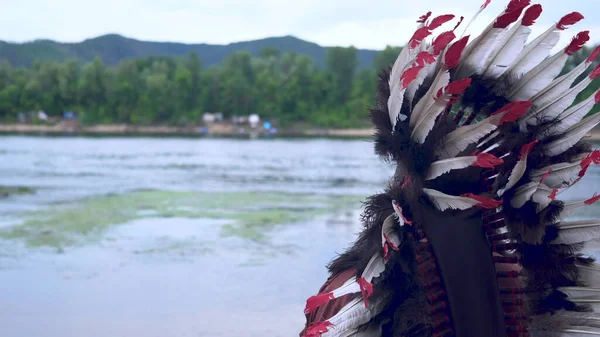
(286, 87)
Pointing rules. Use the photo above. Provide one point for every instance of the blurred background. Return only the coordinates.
(188, 168)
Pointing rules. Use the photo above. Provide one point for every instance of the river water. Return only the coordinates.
(177, 237)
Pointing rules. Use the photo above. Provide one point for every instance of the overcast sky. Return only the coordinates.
(363, 23)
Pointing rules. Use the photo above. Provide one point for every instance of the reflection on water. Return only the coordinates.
(176, 237)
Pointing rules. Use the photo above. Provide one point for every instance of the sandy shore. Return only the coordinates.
(216, 130)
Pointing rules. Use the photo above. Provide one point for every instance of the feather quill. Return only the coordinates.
(553, 109)
(573, 135)
(542, 75)
(571, 207)
(577, 231)
(573, 115)
(559, 173)
(444, 201)
(564, 82)
(441, 167)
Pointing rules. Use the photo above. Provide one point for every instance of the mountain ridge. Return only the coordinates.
(113, 48)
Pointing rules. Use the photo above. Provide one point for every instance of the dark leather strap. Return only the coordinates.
(465, 261)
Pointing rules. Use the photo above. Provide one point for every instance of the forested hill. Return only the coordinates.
(114, 48)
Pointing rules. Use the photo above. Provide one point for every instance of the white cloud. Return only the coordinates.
(365, 24)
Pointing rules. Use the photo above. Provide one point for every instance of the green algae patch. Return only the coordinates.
(250, 215)
(7, 191)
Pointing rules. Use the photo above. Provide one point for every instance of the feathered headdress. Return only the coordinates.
(469, 238)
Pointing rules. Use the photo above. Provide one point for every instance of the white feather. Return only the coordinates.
(535, 80)
(560, 85)
(570, 208)
(444, 201)
(541, 197)
(374, 268)
(418, 82)
(510, 47)
(388, 228)
(577, 231)
(459, 139)
(349, 287)
(561, 173)
(515, 175)
(553, 109)
(428, 100)
(425, 124)
(351, 316)
(444, 166)
(534, 52)
(405, 58)
(572, 116)
(573, 135)
(523, 194)
(474, 58)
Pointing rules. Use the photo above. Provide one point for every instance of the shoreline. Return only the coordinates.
(216, 130)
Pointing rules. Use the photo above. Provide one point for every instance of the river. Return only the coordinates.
(177, 236)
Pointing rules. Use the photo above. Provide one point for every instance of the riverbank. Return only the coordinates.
(216, 130)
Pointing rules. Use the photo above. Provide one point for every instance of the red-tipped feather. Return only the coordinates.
(317, 329)
(577, 43)
(593, 55)
(410, 75)
(392, 245)
(366, 288)
(455, 52)
(418, 37)
(386, 251)
(531, 14)
(552, 195)
(442, 41)
(568, 20)
(313, 302)
(592, 158)
(597, 98)
(596, 72)
(424, 18)
(484, 202)
(485, 4)
(487, 160)
(424, 58)
(525, 149)
(513, 111)
(546, 175)
(514, 5)
(440, 20)
(458, 87)
(454, 88)
(593, 199)
(511, 14)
